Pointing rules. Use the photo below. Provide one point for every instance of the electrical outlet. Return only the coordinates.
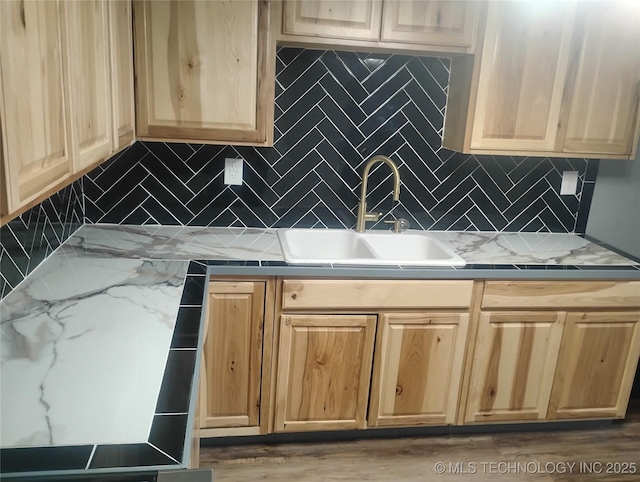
(233, 172)
(569, 183)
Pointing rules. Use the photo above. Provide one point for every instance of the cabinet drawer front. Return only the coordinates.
(357, 294)
(561, 294)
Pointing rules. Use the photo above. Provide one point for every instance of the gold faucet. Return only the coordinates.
(363, 215)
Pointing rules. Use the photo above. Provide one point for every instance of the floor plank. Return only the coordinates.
(531, 456)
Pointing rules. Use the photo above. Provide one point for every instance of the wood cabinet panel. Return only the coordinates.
(429, 22)
(378, 294)
(333, 18)
(522, 73)
(604, 90)
(324, 369)
(205, 71)
(232, 355)
(561, 294)
(417, 368)
(35, 147)
(597, 363)
(87, 63)
(513, 366)
(121, 49)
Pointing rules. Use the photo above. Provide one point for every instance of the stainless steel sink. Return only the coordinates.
(339, 246)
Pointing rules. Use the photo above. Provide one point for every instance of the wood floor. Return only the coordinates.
(532, 456)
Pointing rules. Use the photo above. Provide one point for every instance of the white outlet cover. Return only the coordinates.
(569, 183)
(233, 172)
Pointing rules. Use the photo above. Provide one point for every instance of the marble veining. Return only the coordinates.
(475, 247)
(175, 242)
(529, 249)
(83, 346)
(85, 338)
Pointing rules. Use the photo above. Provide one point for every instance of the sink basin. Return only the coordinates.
(339, 246)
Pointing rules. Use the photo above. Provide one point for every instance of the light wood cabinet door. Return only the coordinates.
(205, 71)
(603, 92)
(596, 367)
(232, 355)
(121, 48)
(513, 366)
(429, 22)
(523, 65)
(87, 64)
(358, 20)
(35, 149)
(417, 368)
(324, 369)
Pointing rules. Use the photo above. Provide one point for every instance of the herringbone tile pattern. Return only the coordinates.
(334, 110)
(28, 239)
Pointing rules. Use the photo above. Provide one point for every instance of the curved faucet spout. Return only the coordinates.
(363, 215)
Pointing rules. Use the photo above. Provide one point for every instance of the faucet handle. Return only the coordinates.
(372, 216)
(399, 225)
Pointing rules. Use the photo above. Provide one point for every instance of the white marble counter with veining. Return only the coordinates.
(84, 339)
(254, 244)
(83, 346)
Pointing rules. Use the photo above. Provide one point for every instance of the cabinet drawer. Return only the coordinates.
(561, 294)
(377, 294)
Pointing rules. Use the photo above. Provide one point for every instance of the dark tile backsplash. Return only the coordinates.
(334, 110)
(28, 239)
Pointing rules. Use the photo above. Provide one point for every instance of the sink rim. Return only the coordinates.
(453, 260)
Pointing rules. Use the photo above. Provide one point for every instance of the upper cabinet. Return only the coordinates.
(35, 148)
(205, 71)
(549, 78)
(122, 97)
(86, 55)
(604, 88)
(424, 25)
(62, 63)
(429, 22)
(333, 18)
(522, 70)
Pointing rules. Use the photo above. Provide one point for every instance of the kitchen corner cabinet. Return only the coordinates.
(232, 356)
(205, 71)
(549, 78)
(324, 369)
(418, 368)
(66, 79)
(424, 25)
(35, 146)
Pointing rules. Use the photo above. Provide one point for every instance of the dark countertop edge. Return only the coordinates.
(193, 398)
(512, 273)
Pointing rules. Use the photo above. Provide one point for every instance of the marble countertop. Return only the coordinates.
(86, 338)
(253, 244)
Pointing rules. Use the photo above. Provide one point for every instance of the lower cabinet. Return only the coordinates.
(232, 355)
(513, 365)
(597, 362)
(417, 368)
(324, 369)
(352, 354)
